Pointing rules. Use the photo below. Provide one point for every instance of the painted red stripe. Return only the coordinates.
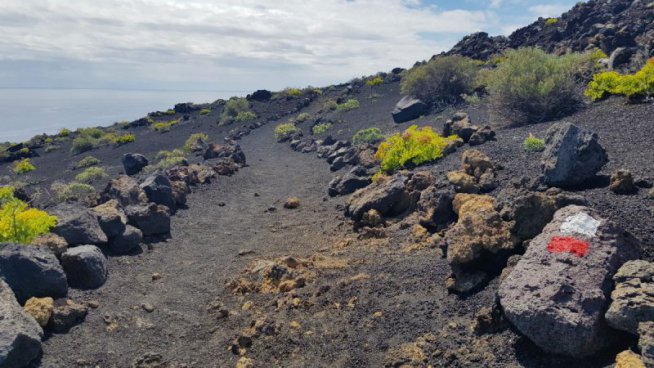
(561, 244)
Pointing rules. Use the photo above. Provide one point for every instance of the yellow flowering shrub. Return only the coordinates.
(413, 147)
(18, 222)
(632, 86)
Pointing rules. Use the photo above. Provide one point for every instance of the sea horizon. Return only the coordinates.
(33, 111)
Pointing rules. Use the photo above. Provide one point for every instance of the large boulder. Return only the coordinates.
(20, 334)
(260, 95)
(633, 296)
(31, 271)
(125, 190)
(479, 242)
(387, 196)
(357, 178)
(436, 209)
(409, 108)
(133, 163)
(78, 225)
(85, 266)
(572, 155)
(159, 190)
(111, 217)
(558, 292)
(151, 219)
(127, 241)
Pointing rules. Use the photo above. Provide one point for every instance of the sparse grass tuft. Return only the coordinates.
(368, 135)
(533, 144)
(71, 192)
(195, 141)
(375, 81)
(87, 161)
(303, 117)
(321, 128)
(164, 126)
(205, 111)
(91, 174)
(285, 131)
(236, 109)
(23, 166)
(348, 105)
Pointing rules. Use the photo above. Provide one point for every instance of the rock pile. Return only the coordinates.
(462, 126)
(477, 174)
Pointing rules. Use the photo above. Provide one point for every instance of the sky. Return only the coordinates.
(236, 45)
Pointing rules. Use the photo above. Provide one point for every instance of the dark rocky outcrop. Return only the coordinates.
(78, 225)
(126, 241)
(31, 271)
(260, 95)
(133, 163)
(85, 266)
(358, 177)
(572, 155)
(557, 293)
(151, 219)
(409, 108)
(479, 46)
(158, 189)
(386, 197)
(20, 334)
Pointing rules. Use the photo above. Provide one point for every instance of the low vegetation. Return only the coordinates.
(168, 154)
(415, 146)
(237, 109)
(23, 166)
(91, 174)
(442, 80)
(195, 141)
(303, 117)
(368, 135)
(168, 159)
(330, 105)
(120, 139)
(321, 128)
(635, 87)
(348, 105)
(63, 132)
(164, 126)
(551, 21)
(18, 222)
(87, 161)
(531, 86)
(285, 131)
(293, 92)
(72, 192)
(375, 81)
(90, 138)
(533, 144)
(205, 111)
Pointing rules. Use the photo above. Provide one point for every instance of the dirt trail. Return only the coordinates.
(202, 253)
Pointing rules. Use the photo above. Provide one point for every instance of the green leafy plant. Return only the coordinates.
(321, 128)
(533, 144)
(293, 92)
(285, 131)
(51, 148)
(91, 174)
(83, 144)
(18, 222)
(348, 105)
(635, 86)
(368, 135)
(413, 147)
(442, 80)
(330, 104)
(164, 126)
(533, 86)
(195, 142)
(551, 21)
(71, 192)
(23, 166)
(205, 111)
(245, 116)
(87, 161)
(303, 117)
(63, 132)
(168, 154)
(233, 108)
(118, 139)
(375, 81)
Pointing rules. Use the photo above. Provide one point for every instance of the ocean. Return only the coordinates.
(25, 113)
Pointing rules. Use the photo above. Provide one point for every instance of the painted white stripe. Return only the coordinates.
(580, 224)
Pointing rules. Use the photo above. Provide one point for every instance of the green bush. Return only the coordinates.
(442, 80)
(233, 108)
(123, 139)
(285, 131)
(303, 117)
(64, 132)
(164, 126)
(245, 116)
(375, 81)
(170, 112)
(205, 111)
(633, 86)
(533, 144)
(18, 222)
(71, 192)
(348, 105)
(321, 128)
(293, 92)
(167, 160)
(533, 86)
(414, 146)
(87, 161)
(551, 21)
(195, 141)
(91, 174)
(51, 148)
(23, 166)
(96, 133)
(168, 154)
(368, 135)
(330, 104)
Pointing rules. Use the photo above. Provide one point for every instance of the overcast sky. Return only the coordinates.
(235, 45)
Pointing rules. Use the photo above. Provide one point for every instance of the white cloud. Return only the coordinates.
(549, 10)
(235, 43)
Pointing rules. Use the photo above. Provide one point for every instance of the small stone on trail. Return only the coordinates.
(156, 276)
(93, 304)
(294, 325)
(221, 204)
(147, 307)
(378, 314)
(245, 252)
(256, 194)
